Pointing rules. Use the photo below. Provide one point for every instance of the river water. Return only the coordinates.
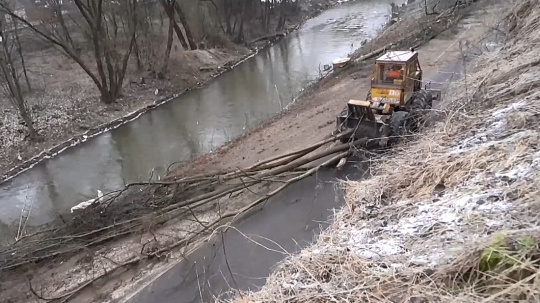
(195, 123)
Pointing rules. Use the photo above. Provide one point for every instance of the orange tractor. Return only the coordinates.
(396, 92)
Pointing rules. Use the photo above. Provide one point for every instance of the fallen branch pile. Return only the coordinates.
(129, 211)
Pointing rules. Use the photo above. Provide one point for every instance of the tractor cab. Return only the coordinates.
(396, 76)
(389, 74)
(396, 85)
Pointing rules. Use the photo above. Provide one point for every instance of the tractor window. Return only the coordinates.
(389, 73)
(414, 70)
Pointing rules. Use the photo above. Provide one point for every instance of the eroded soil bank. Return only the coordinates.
(134, 249)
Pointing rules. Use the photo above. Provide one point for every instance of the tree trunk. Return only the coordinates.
(23, 109)
(228, 17)
(138, 56)
(13, 89)
(32, 133)
(282, 12)
(168, 6)
(185, 24)
(19, 49)
(164, 68)
(218, 16)
(267, 16)
(240, 36)
(10, 77)
(105, 96)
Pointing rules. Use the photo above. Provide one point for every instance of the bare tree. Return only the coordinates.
(169, 8)
(185, 24)
(237, 18)
(19, 50)
(9, 73)
(164, 68)
(109, 25)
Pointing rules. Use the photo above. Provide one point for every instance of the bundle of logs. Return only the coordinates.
(121, 213)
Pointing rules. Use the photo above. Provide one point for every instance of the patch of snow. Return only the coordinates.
(496, 206)
(377, 249)
(493, 223)
(495, 125)
(536, 160)
(358, 236)
(446, 213)
(501, 113)
(475, 142)
(449, 217)
(389, 247)
(521, 171)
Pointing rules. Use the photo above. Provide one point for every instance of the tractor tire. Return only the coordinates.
(398, 129)
(422, 99)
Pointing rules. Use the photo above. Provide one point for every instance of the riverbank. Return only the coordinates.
(152, 247)
(312, 116)
(65, 104)
(458, 220)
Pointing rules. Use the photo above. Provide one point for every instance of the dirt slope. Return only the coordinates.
(453, 215)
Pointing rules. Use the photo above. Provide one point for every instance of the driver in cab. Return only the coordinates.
(395, 72)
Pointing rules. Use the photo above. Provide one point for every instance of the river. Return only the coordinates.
(197, 122)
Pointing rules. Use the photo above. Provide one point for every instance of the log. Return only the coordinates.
(322, 154)
(303, 151)
(268, 37)
(291, 181)
(219, 193)
(373, 53)
(286, 169)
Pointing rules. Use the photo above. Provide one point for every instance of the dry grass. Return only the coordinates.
(451, 216)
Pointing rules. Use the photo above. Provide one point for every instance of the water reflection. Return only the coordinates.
(198, 122)
(43, 192)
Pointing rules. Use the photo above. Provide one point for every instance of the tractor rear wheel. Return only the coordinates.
(422, 101)
(397, 125)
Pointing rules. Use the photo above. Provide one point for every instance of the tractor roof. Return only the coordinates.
(397, 56)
